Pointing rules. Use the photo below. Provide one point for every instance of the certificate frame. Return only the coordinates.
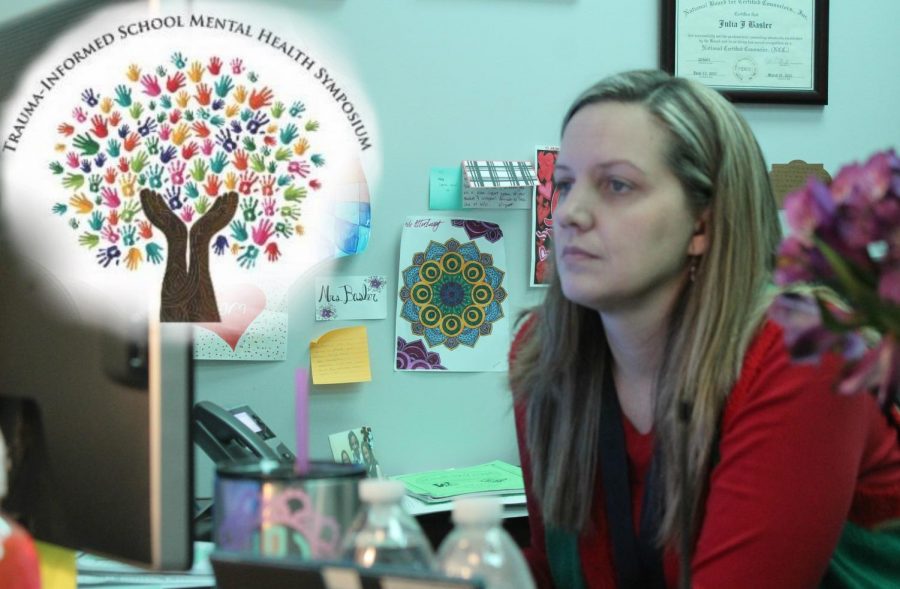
(815, 93)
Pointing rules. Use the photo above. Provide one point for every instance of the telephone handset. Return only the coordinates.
(237, 434)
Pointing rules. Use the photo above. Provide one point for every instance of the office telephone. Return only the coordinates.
(235, 434)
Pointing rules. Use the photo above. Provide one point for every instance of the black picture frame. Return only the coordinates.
(818, 95)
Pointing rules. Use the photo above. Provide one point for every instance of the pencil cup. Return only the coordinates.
(266, 508)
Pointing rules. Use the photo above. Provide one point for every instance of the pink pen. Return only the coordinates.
(302, 412)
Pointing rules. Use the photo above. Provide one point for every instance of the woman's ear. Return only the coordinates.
(699, 243)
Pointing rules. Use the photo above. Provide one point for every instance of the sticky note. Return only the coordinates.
(58, 568)
(341, 356)
(445, 188)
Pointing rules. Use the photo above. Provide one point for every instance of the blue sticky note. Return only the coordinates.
(445, 189)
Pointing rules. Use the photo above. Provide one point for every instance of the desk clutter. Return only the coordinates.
(332, 518)
(495, 478)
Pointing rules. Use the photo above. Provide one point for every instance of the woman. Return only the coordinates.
(654, 323)
(373, 469)
(354, 447)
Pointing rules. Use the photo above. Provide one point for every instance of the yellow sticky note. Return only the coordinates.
(341, 355)
(58, 568)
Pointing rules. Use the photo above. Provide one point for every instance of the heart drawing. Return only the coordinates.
(238, 307)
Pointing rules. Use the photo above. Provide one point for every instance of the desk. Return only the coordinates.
(106, 574)
(94, 571)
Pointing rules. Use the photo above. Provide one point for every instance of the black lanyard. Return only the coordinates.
(637, 560)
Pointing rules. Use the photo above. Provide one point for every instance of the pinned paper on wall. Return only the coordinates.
(545, 196)
(497, 184)
(341, 356)
(253, 326)
(351, 297)
(445, 189)
(452, 312)
(786, 178)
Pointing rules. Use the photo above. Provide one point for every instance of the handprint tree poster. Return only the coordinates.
(166, 157)
(452, 308)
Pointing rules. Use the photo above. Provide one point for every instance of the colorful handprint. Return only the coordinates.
(198, 156)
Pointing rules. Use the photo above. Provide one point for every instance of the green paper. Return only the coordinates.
(495, 477)
(445, 189)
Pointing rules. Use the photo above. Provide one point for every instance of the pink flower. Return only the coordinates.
(804, 333)
(877, 370)
(809, 208)
(869, 181)
(846, 236)
(889, 285)
(794, 262)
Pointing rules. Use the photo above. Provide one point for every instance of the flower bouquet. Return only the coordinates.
(845, 245)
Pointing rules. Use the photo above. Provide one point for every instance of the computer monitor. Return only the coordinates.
(97, 422)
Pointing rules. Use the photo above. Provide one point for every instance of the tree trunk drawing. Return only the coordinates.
(187, 289)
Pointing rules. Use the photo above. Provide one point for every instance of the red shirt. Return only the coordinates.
(796, 462)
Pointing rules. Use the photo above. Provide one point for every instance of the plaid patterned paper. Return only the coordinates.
(498, 174)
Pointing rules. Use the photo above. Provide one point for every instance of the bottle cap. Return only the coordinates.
(380, 490)
(477, 510)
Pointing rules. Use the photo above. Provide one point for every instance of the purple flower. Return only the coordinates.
(846, 235)
(804, 332)
(889, 285)
(414, 356)
(809, 208)
(794, 262)
(868, 182)
(375, 283)
(878, 370)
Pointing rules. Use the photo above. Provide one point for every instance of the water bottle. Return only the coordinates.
(384, 534)
(478, 546)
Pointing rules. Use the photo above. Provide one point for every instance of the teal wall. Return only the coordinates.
(455, 79)
(11, 10)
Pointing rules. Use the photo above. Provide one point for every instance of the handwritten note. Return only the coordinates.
(444, 188)
(516, 197)
(341, 356)
(351, 297)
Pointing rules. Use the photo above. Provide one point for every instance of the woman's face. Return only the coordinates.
(367, 453)
(354, 441)
(623, 226)
(345, 458)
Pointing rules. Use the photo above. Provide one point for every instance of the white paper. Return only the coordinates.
(453, 308)
(351, 297)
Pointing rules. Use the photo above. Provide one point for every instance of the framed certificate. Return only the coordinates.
(749, 50)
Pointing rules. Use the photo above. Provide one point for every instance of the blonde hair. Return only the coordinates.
(560, 368)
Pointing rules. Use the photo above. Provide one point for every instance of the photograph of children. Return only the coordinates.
(356, 446)
(545, 196)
